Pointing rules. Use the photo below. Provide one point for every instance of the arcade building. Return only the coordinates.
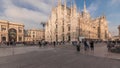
(11, 32)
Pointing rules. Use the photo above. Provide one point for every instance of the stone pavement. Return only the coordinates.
(100, 50)
(7, 51)
(58, 57)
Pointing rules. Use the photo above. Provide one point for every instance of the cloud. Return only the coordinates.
(93, 8)
(113, 30)
(109, 22)
(22, 14)
(28, 12)
(117, 15)
(113, 3)
(113, 23)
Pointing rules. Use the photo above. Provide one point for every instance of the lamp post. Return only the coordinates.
(56, 32)
(79, 29)
(119, 31)
(43, 25)
(89, 35)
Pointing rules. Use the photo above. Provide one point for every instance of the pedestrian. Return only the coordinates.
(109, 45)
(40, 44)
(92, 45)
(54, 43)
(86, 46)
(74, 43)
(78, 46)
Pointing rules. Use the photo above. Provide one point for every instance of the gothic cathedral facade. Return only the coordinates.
(67, 24)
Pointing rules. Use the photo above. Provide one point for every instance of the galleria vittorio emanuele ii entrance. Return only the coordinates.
(12, 33)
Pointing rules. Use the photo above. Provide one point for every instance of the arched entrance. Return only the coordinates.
(4, 39)
(12, 33)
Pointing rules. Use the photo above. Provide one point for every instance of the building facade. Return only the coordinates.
(34, 35)
(11, 32)
(67, 24)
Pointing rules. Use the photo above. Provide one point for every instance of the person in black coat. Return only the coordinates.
(40, 44)
(92, 45)
(78, 46)
(86, 46)
(54, 43)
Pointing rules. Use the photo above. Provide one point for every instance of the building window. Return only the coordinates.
(33, 36)
(62, 37)
(69, 37)
(3, 39)
(62, 29)
(3, 27)
(69, 28)
(20, 38)
(56, 37)
(56, 29)
(56, 26)
(33, 32)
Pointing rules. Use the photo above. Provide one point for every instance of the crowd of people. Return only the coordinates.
(112, 44)
(87, 45)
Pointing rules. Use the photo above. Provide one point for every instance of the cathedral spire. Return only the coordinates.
(71, 8)
(74, 4)
(59, 2)
(71, 5)
(85, 10)
(79, 9)
(65, 3)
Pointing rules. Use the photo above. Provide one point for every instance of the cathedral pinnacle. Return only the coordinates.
(59, 2)
(65, 3)
(71, 3)
(74, 4)
(85, 6)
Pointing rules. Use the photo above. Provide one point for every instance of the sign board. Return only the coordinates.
(81, 38)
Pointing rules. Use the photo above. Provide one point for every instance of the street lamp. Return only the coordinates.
(89, 35)
(43, 25)
(119, 31)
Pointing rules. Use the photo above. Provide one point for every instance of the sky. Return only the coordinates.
(32, 12)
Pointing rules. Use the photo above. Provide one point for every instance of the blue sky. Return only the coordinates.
(32, 12)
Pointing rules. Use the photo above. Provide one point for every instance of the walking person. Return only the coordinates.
(78, 47)
(54, 43)
(109, 45)
(92, 45)
(86, 46)
(40, 44)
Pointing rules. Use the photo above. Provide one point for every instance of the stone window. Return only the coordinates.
(33, 36)
(20, 38)
(3, 27)
(68, 27)
(3, 39)
(62, 28)
(33, 32)
(69, 37)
